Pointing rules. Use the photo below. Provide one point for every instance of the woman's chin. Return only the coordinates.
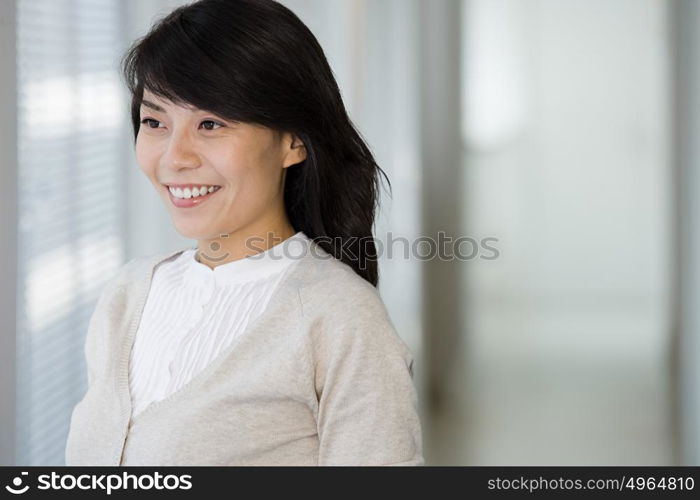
(191, 231)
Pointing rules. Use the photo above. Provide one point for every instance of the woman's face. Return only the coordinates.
(244, 163)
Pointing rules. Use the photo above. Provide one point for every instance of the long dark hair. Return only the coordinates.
(255, 61)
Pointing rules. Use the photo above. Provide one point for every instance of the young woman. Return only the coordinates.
(267, 343)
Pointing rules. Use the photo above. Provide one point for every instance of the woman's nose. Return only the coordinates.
(181, 153)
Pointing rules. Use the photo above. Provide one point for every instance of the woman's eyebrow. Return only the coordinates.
(149, 104)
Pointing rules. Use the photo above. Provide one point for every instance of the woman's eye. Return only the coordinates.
(208, 124)
(211, 122)
(148, 121)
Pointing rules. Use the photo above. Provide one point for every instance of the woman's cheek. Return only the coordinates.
(146, 158)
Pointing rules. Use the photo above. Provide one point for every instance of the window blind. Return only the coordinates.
(71, 117)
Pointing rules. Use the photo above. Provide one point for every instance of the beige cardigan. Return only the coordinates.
(320, 378)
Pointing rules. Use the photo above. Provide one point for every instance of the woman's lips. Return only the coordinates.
(190, 202)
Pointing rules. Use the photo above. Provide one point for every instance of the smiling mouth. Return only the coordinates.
(187, 191)
(188, 198)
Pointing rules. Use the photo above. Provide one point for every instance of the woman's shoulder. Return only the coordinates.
(328, 281)
(342, 306)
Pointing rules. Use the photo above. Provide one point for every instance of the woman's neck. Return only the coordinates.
(240, 244)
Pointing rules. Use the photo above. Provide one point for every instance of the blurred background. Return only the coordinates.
(565, 129)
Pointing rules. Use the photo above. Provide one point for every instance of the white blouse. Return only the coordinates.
(193, 312)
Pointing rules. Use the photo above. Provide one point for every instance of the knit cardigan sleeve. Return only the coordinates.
(98, 326)
(367, 401)
(95, 350)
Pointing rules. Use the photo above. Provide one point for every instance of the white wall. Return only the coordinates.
(567, 115)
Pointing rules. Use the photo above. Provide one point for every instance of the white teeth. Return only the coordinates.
(192, 193)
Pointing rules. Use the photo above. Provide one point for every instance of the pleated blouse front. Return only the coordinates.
(193, 312)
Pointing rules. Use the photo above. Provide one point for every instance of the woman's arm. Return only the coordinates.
(368, 407)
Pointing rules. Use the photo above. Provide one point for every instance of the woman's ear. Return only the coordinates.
(296, 151)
